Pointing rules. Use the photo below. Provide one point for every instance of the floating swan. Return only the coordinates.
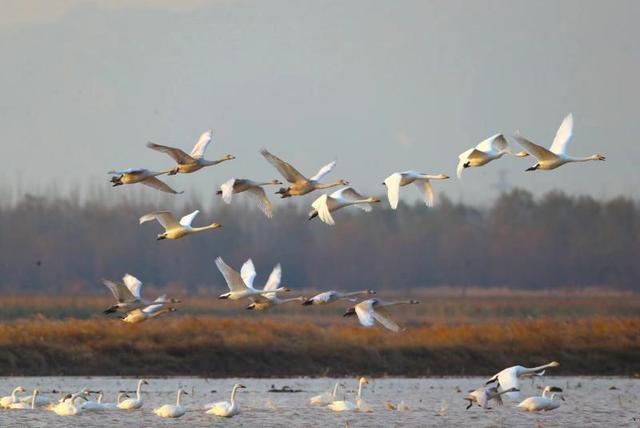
(134, 403)
(20, 405)
(143, 176)
(171, 410)
(346, 405)
(557, 154)
(98, 405)
(226, 409)
(372, 310)
(550, 399)
(127, 294)
(7, 401)
(190, 162)
(326, 397)
(490, 149)
(346, 197)
(174, 229)
(333, 296)
(261, 302)
(362, 405)
(510, 377)
(154, 310)
(254, 189)
(422, 182)
(69, 406)
(483, 395)
(300, 185)
(241, 284)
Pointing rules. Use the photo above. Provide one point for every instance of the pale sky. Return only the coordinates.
(380, 86)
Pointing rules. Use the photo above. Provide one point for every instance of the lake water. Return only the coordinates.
(590, 402)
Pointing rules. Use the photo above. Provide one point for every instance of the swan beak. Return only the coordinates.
(217, 225)
(160, 238)
(375, 200)
(241, 386)
(600, 157)
(445, 177)
(383, 183)
(185, 392)
(533, 168)
(224, 296)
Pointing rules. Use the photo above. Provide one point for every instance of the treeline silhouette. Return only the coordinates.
(68, 244)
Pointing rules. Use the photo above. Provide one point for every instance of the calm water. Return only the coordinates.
(431, 401)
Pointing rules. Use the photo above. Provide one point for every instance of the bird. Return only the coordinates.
(401, 406)
(421, 180)
(174, 229)
(490, 149)
(261, 302)
(30, 405)
(484, 394)
(68, 406)
(127, 294)
(372, 310)
(98, 405)
(557, 154)
(226, 409)
(143, 176)
(349, 406)
(154, 310)
(172, 410)
(300, 185)
(510, 377)
(7, 401)
(326, 397)
(345, 197)
(241, 284)
(362, 405)
(134, 403)
(114, 406)
(550, 399)
(254, 189)
(40, 400)
(333, 296)
(194, 161)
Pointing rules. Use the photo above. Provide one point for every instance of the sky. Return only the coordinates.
(381, 86)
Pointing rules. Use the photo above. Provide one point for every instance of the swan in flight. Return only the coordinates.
(261, 302)
(372, 310)
(490, 149)
(241, 284)
(510, 377)
(190, 162)
(346, 197)
(362, 405)
(226, 409)
(484, 394)
(422, 182)
(171, 410)
(557, 154)
(7, 401)
(174, 229)
(550, 399)
(154, 310)
(134, 403)
(254, 189)
(30, 405)
(333, 296)
(300, 185)
(141, 175)
(127, 294)
(326, 397)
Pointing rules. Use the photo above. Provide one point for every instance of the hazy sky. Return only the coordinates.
(379, 85)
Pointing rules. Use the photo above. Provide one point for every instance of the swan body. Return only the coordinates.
(69, 406)
(372, 310)
(343, 406)
(549, 400)
(174, 229)
(252, 188)
(171, 410)
(556, 155)
(227, 409)
(510, 377)
(422, 182)
(345, 197)
(326, 397)
(261, 302)
(483, 395)
(333, 296)
(300, 185)
(241, 284)
(127, 294)
(143, 176)
(98, 405)
(195, 161)
(21, 405)
(154, 310)
(361, 405)
(7, 401)
(486, 151)
(134, 403)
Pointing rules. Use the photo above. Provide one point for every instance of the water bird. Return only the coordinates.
(174, 229)
(134, 403)
(331, 296)
(510, 377)
(154, 310)
(486, 151)
(142, 176)
(326, 397)
(172, 410)
(252, 188)
(238, 288)
(7, 401)
(261, 302)
(362, 405)
(549, 400)
(421, 180)
(345, 197)
(127, 294)
(484, 394)
(372, 310)
(31, 405)
(226, 409)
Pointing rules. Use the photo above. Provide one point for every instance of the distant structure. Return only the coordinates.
(502, 185)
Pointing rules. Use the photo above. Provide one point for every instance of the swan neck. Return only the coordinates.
(233, 394)
(139, 389)
(33, 399)
(335, 390)
(178, 397)
(328, 185)
(580, 159)
(360, 389)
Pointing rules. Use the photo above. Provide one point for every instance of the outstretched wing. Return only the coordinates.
(383, 317)
(393, 189)
(462, 159)
(495, 143)
(274, 278)
(186, 220)
(563, 136)
(248, 273)
(322, 207)
(177, 154)
(257, 193)
(288, 172)
(165, 218)
(201, 145)
(364, 311)
(539, 152)
(119, 291)
(231, 276)
(133, 284)
(350, 194)
(426, 189)
(323, 171)
(227, 190)
(158, 185)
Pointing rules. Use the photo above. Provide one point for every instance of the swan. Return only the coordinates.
(510, 377)
(254, 189)
(190, 162)
(372, 310)
(483, 395)
(133, 403)
(69, 407)
(20, 405)
(152, 311)
(490, 149)
(174, 229)
(300, 185)
(113, 406)
(171, 410)
(227, 409)
(261, 302)
(98, 405)
(241, 284)
(346, 405)
(550, 399)
(333, 296)
(326, 397)
(557, 154)
(8, 400)
(127, 294)
(141, 175)
(422, 182)
(362, 405)
(345, 197)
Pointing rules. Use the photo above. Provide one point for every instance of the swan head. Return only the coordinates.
(228, 157)
(414, 302)
(371, 292)
(364, 380)
(20, 389)
(215, 225)
(161, 237)
(521, 154)
(251, 307)
(350, 312)
(533, 168)
(116, 180)
(313, 214)
(171, 309)
(343, 182)
(219, 192)
(224, 296)
(374, 199)
(144, 382)
(554, 364)
(276, 182)
(443, 177)
(598, 157)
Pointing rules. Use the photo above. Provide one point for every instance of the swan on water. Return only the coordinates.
(549, 400)
(226, 409)
(326, 397)
(372, 310)
(361, 405)
(422, 182)
(7, 401)
(31, 405)
(174, 229)
(346, 197)
(134, 403)
(143, 176)
(252, 188)
(490, 149)
(172, 410)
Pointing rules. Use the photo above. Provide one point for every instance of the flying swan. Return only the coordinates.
(333, 296)
(238, 288)
(346, 197)
(261, 302)
(127, 294)
(141, 175)
(254, 189)
(422, 182)
(174, 229)
(510, 377)
(490, 149)
(372, 310)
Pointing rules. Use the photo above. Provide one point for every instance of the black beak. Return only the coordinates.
(219, 192)
(533, 168)
(160, 238)
(314, 215)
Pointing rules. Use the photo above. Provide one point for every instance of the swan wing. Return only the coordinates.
(426, 189)
(187, 219)
(274, 278)
(539, 152)
(364, 311)
(393, 189)
(323, 171)
(227, 190)
(165, 218)
(495, 143)
(177, 154)
(321, 205)
(383, 317)
(232, 277)
(133, 284)
(508, 379)
(248, 273)
(158, 184)
(349, 194)
(563, 136)
(257, 193)
(462, 159)
(202, 144)
(288, 172)
(119, 291)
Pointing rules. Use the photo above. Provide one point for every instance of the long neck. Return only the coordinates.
(100, 398)
(178, 397)
(521, 154)
(153, 315)
(535, 369)
(328, 185)
(139, 387)
(13, 394)
(33, 398)
(360, 389)
(354, 293)
(335, 390)
(398, 302)
(581, 159)
(277, 290)
(292, 299)
(214, 162)
(201, 228)
(233, 394)
(120, 397)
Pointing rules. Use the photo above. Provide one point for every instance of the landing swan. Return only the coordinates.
(484, 394)
(171, 410)
(490, 149)
(300, 185)
(550, 399)
(134, 403)
(333, 296)
(510, 377)
(241, 284)
(254, 189)
(143, 176)
(372, 310)
(422, 182)
(261, 302)
(227, 409)
(7, 401)
(174, 229)
(325, 398)
(154, 310)
(346, 197)
(127, 294)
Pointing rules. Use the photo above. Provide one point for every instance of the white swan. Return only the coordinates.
(20, 405)
(98, 405)
(557, 154)
(241, 284)
(227, 409)
(254, 189)
(372, 310)
(171, 410)
(7, 401)
(510, 377)
(490, 149)
(362, 405)
(346, 197)
(190, 162)
(484, 394)
(333, 296)
(134, 403)
(127, 294)
(300, 185)
(550, 399)
(326, 397)
(174, 229)
(422, 182)
(69, 406)
(261, 302)
(143, 176)
(346, 405)
(154, 310)
(114, 406)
